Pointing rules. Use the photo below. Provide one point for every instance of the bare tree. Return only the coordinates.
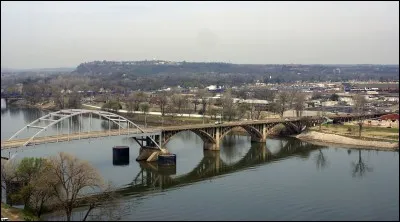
(163, 101)
(179, 102)
(69, 179)
(283, 100)
(359, 103)
(242, 110)
(359, 106)
(136, 98)
(228, 109)
(144, 107)
(203, 94)
(213, 112)
(298, 105)
(130, 104)
(59, 98)
(195, 102)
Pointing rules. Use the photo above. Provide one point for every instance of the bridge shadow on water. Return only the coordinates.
(153, 177)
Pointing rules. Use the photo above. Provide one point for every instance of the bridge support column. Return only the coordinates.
(263, 139)
(213, 146)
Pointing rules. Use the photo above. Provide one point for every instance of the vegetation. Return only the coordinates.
(16, 214)
(61, 183)
(112, 105)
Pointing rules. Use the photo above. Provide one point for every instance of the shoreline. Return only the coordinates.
(329, 139)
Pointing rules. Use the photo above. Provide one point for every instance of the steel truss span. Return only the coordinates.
(67, 114)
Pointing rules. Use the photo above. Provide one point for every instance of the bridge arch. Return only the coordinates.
(69, 113)
(251, 130)
(206, 137)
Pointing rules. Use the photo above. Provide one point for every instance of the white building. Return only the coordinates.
(329, 103)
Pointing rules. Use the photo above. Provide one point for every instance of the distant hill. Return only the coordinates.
(61, 69)
(296, 71)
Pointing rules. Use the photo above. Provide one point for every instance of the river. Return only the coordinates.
(285, 179)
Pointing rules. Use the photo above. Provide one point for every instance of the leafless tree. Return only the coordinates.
(69, 179)
(298, 105)
(242, 109)
(144, 107)
(359, 103)
(179, 102)
(195, 102)
(202, 95)
(163, 102)
(135, 99)
(130, 104)
(359, 106)
(228, 107)
(283, 100)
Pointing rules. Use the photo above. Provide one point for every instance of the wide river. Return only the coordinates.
(284, 179)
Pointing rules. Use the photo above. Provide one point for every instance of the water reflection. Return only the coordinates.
(3, 111)
(152, 177)
(359, 168)
(14, 112)
(106, 125)
(321, 160)
(233, 148)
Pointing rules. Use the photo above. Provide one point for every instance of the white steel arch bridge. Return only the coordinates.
(125, 127)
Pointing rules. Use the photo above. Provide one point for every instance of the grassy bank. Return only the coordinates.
(15, 214)
(367, 132)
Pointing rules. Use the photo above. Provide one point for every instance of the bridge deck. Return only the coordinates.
(95, 134)
(73, 136)
(6, 144)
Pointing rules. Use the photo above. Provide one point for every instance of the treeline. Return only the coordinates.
(149, 76)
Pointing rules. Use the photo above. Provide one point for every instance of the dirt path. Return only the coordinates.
(13, 214)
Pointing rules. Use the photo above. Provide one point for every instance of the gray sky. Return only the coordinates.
(64, 34)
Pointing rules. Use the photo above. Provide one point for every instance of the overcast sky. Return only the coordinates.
(64, 34)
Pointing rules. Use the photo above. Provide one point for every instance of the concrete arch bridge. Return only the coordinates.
(155, 137)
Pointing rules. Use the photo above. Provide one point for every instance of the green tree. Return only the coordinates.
(112, 105)
(334, 97)
(27, 171)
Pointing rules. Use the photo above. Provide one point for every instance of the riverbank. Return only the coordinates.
(15, 214)
(328, 139)
(42, 106)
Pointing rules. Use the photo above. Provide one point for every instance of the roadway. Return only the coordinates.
(154, 113)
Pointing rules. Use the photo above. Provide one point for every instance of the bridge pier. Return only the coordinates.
(211, 146)
(258, 140)
(149, 150)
